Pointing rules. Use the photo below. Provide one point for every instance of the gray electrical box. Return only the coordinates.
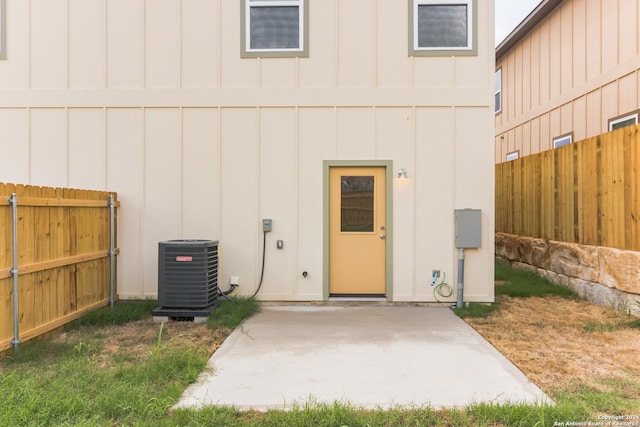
(468, 228)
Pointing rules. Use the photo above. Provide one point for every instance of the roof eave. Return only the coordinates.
(534, 18)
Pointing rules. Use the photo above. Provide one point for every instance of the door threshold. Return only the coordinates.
(358, 298)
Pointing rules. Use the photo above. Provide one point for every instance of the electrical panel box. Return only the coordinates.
(468, 228)
(266, 225)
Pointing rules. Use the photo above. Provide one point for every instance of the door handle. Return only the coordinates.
(382, 236)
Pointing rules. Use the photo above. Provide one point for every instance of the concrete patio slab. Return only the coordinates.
(369, 356)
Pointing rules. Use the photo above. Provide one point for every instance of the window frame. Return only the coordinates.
(498, 91)
(513, 155)
(472, 30)
(558, 139)
(245, 37)
(3, 30)
(623, 118)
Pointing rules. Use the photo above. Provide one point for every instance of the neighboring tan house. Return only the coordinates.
(208, 116)
(568, 72)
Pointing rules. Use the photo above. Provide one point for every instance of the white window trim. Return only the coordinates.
(499, 91)
(557, 141)
(513, 155)
(617, 120)
(302, 42)
(469, 49)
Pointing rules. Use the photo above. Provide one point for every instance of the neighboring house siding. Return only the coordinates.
(152, 99)
(573, 72)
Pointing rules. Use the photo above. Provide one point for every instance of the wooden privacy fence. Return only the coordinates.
(65, 257)
(587, 192)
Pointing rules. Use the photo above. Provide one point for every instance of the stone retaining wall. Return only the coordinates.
(605, 276)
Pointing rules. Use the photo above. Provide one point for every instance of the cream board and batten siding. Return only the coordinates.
(151, 99)
(576, 70)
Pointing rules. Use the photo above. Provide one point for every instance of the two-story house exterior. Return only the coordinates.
(208, 116)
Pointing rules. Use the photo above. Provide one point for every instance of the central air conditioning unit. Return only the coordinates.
(187, 278)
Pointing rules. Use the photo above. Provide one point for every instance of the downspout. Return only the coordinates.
(13, 201)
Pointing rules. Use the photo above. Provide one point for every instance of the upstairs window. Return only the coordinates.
(513, 155)
(275, 28)
(562, 140)
(622, 121)
(442, 27)
(498, 87)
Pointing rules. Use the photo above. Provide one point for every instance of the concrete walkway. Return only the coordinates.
(370, 356)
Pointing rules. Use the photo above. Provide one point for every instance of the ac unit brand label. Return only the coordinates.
(184, 258)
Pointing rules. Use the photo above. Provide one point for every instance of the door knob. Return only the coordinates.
(382, 236)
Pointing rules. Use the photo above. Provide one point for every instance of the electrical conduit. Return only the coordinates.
(459, 301)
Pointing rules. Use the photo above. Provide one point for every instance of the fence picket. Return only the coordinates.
(587, 192)
(632, 188)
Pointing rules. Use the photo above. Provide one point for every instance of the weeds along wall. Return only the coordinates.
(63, 252)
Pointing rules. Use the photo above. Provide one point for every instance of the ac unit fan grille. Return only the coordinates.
(188, 274)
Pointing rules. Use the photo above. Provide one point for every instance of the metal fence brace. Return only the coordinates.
(13, 201)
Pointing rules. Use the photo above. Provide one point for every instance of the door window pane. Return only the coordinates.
(356, 205)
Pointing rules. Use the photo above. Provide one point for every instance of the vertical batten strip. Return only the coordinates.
(68, 58)
(258, 195)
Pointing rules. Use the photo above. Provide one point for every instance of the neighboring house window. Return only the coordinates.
(622, 121)
(562, 140)
(274, 28)
(513, 155)
(498, 85)
(442, 27)
(3, 33)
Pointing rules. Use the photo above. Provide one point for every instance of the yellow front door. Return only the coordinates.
(357, 231)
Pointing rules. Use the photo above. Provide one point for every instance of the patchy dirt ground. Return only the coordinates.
(561, 344)
(136, 340)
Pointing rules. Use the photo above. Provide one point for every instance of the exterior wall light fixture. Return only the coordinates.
(402, 174)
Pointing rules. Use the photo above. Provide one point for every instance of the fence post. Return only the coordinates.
(112, 254)
(13, 200)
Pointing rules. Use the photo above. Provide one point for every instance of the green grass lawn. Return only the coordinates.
(515, 283)
(524, 283)
(69, 383)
